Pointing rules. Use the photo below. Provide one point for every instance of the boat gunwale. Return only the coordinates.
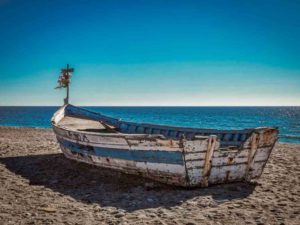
(151, 125)
(146, 136)
(149, 136)
(62, 109)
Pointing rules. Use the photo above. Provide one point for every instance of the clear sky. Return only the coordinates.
(151, 52)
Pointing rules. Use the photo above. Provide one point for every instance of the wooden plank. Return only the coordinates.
(227, 174)
(172, 174)
(251, 155)
(169, 157)
(208, 160)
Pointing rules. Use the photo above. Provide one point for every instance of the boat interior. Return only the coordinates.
(79, 119)
(80, 124)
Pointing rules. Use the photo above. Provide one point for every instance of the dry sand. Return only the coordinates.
(38, 185)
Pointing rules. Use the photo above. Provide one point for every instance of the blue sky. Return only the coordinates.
(151, 52)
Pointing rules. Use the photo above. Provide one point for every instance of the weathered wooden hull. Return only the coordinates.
(194, 161)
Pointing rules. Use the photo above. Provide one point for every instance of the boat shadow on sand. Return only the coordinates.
(90, 184)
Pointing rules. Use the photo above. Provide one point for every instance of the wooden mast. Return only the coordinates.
(68, 85)
(64, 81)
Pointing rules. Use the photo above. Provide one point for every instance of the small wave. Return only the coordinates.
(294, 137)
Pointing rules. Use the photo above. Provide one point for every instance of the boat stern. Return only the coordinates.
(208, 163)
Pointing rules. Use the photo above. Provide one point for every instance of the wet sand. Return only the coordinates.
(38, 185)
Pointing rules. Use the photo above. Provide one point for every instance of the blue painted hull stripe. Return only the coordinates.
(152, 156)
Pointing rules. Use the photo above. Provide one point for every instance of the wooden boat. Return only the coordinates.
(187, 157)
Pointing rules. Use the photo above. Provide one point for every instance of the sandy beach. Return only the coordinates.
(38, 185)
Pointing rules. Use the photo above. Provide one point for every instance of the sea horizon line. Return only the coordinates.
(161, 106)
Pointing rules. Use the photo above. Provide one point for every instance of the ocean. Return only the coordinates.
(287, 119)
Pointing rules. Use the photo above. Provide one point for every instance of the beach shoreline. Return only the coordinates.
(38, 185)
